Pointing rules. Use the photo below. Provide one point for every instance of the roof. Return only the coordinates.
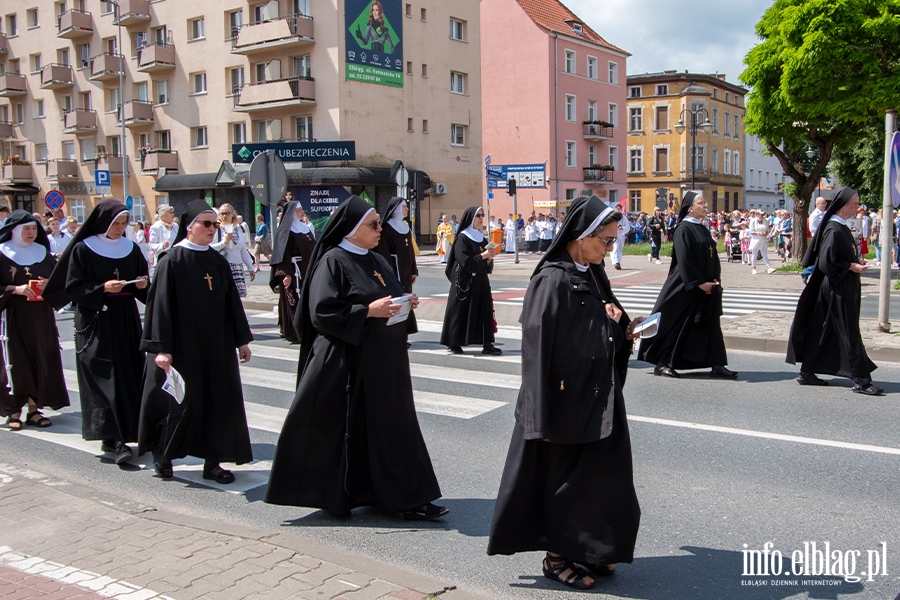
(554, 16)
(695, 78)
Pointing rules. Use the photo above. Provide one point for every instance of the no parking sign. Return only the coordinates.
(54, 199)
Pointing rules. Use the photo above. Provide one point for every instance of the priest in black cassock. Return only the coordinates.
(290, 260)
(690, 302)
(351, 437)
(193, 323)
(94, 273)
(567, 486)
(397, 246)
(469, 316)
(825, 336)
(32, 372)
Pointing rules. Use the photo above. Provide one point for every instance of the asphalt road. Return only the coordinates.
(716, 465)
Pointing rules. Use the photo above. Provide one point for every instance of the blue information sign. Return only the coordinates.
(526, 176)
(129, 202)
(296, 151)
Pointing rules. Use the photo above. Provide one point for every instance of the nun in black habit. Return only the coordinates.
(397, 246)
(469, 316)
(690, 302)
(290, 261)
(351, 437)
(567, 486)
(92, 273)
(825, 336)
(32, 370)
(193, 323)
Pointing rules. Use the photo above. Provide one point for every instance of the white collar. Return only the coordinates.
(21, 253)
(107, 248)
(691, 219)
(352, 248)
(581, 267)
(185, 243)
(399, 225)
(471, 233)
(838, 219)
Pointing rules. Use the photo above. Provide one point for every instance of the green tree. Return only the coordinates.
(824, 69)
(861, 164)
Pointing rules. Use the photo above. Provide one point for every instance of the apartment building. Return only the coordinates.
(553, 95)
(763, 179)
(672, 117)
(188, 80)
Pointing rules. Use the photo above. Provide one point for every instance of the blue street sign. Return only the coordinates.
(895, 169)
(101, 177)
(487, 160)
(490, 195)
(495, 171)
(526, 176)
(296, 151)
(54, 199)
(129, 202)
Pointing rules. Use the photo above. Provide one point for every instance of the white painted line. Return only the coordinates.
(621, 275)
(474, 353)
(503, 332)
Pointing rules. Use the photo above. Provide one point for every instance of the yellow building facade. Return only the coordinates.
(671, 113)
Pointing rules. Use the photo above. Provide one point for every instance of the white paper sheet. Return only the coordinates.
(649, 326)
(403, 313)
(174, 385)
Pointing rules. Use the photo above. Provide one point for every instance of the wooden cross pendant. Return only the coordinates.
(209, 281)
(380, 278)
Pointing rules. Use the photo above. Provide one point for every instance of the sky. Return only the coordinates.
(705, 36)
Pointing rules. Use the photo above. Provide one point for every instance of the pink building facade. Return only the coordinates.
(553, 93)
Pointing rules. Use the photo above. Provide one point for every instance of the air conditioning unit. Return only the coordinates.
(439, 189)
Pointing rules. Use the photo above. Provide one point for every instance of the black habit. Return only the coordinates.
(290, 257)
(398, 249)
(469, 316)
(351, 437)
(195, 314)
(825, 336)
(690, 334)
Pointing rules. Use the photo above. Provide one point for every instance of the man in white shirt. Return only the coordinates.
(163, 232)
(624, 228)
(815, 217)
(58, 240)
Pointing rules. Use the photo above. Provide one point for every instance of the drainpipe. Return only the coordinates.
(556, 113)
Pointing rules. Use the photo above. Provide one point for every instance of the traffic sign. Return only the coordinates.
(496, 171)
(487, 160)
(267, 178)
(54, 199)
(129, 202)
(102, 181)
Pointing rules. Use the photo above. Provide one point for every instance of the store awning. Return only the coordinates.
(296, 174)
(18, 189)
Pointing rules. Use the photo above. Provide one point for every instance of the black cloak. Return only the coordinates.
(289, 245)
(825, 336)
(195, 314)
(398, 249)
(33, 344)
(690, 332)
(351, 437)
(108, 361)
(567, 485)
(469, 316)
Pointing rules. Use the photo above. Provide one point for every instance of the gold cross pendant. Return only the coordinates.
(28, 272)
(380, 278)
(407, 242)
(209, 281)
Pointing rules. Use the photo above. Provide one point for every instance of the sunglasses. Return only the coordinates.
(376, 225)
(226, 212)
(479, 214)
(208, 224)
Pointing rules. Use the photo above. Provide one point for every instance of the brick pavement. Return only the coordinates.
(78, 547)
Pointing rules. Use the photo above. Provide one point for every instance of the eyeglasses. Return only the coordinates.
(479, 214)
(608, 242)
(225, 212)
(376, 225)
(208, 224)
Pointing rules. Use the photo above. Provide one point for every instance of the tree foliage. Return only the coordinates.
(861, 164)
(823, 71)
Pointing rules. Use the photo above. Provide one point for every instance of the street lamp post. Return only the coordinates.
(694, 123)
(118, 17)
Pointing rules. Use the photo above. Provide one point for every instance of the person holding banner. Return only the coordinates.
(290, 260)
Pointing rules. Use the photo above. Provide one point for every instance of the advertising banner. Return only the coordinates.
(374, 41)
(319, 202)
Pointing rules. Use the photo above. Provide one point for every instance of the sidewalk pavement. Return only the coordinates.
(759, 331)
(74, 544)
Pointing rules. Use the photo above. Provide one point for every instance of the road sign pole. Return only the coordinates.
(516, 224)
(887, 226)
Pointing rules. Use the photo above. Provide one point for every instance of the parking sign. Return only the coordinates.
(102, 181)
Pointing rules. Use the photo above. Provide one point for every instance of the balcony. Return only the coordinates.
(60, 169)
(599, 174)
(16, 174)
(138, 113)
(105, 67)
(156, 57)
(12, 84)
(4, 46)
(293, 91)
(114, 164)
(79, 120)
(6, 130)
(701, 174)
(54, 77)
(133, 12)
(284, 32)
(74, 24)
(596, 131)
(154, 160)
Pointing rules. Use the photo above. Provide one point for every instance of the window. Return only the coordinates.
(142, 91)
(570, 108)
(199, 80)
(614, 114)
(87, 149)
(736, 195)
(715, 93)
(162, 91)
(751, 181)
(634, 201)
(424, 70)
(715, 120)
(636, 118)
(635, 160)
(237, 80)
(715, 160)
(76, 206)
(409, 67)
(69, 150)
(62, 57)
(570, 193)
(661, 160)
(699, 157)
(164, 140)
(457, 135)
(727, 162)
(409, 122)
(577, 28)
(12, 26)
(112, 46)
(235, 22)
(662, 118)
(424, 125)
(727, 124)
(614, 158)
(261, 72)
(662, 89)
(457, 82)
(114, 145)
(727, 97)
(613, 72)
(107, 7)
(424, 14)
(634, 92)
(143, 140)
(84, 56)
(303, 66)
(140, 41)
(197, 29)
(198, 136)
(36, 63)
(571, 157)
(592, 67)
(38, 109)
(162, 200)
(570, 61)
(408, 10)
(238, 133)
(33, 20)
(300, 7)
(737, 127)
(457, 30)
(4, 113)
(613, 197)
(737, 166)
(303, 128)
(161, 35)
(60, 8)
(592, 155)
(268, 130)
(112, 99)
(138, 209)
(67, 104)
(40, 153)
(593, 114)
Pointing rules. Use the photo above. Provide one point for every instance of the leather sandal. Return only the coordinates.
(41, 421)
(428, 512)
(561, 569)
(221, 475)
(14, 424)
(163, 469)
(665, 371)
(870, 389)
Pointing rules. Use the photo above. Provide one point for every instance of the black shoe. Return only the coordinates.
(618, 266)
(665, 371)
(221, 475)
(492, 350)
(163, 468)
(723, 372)
(123, 453)
(455, 349)
(428, 512)
(869, 389)
(108, 446)
(810, 379)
